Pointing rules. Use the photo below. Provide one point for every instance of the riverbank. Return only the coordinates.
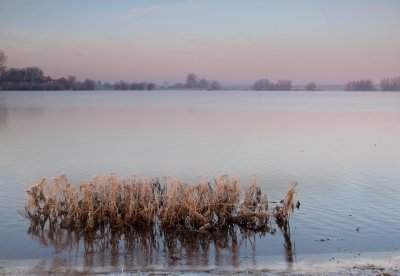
(372, 263)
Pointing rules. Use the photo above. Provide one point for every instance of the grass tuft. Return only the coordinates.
(139, 201)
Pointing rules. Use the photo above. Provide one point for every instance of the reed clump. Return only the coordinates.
(282, 212)
(139, 201)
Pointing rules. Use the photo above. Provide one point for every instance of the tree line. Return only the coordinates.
(390, 84)
(194, 82)
(33, 78)
(122, 85)
(387, 84)
(267, 85)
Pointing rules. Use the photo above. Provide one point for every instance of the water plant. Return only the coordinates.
(138, 201)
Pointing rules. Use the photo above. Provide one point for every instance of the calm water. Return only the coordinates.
(342, 148)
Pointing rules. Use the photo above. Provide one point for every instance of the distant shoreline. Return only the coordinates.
(202, 90)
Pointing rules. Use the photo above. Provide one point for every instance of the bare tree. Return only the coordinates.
(191, 81)
(23, 75)
(392, 84)
(311, 86)
(203, 84)
(151, 86)
(266, 85)
(263, 84)
(121, 85)
(3, 59)
(214, 85)
(360, 85)
(283, 85)
(89, 84)
(71, 82)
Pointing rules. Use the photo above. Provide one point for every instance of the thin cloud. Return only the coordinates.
(328, 23)
(195, 42)
(119, 40)
(162, 9)
(244, 36)
(182, 52)
(149, 11)
(193, 54)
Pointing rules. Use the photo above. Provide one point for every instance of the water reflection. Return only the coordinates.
(24, 111)
(289, 247)
(154, 247)
(3, 115)
(326, 141)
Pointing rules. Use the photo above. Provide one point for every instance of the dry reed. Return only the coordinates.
(282, 213)
(138, 201)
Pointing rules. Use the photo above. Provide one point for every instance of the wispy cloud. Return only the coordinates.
(182, 52)
(244, 36)
(158, 10)
(149, 11)
(195, 42)
(119, 40)
(165, 9)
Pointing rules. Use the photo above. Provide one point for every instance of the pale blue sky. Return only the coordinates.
(232, 41)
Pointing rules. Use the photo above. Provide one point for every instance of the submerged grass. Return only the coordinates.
(139, 201)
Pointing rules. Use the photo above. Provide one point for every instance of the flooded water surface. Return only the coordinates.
(341, 147)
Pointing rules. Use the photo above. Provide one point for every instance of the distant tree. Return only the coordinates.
(107, 86)
(311, 86)
(165, 84)
(214, 85)
(151, 86)
(138, 86)
(283, 85)
(263, 84)
(266, 85)
(360, 85)
(34, 74)
(191, 81)
(3, 59)
(134, 86)
(71, 82)
(89, 84)
(99, 85)
(203, 84)
(121, 85)
(27, 75)
(179, 85)
(385, 85)
(395, 83)
(390, 84)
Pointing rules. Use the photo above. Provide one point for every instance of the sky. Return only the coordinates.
(235, 42)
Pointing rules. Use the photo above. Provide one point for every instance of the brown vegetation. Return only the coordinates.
(138, 201)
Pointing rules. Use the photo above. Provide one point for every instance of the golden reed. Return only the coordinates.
(139, 201)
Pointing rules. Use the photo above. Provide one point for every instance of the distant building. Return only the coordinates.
(47, 79)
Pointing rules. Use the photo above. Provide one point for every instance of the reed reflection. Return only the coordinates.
(24, 111)
(148, 247)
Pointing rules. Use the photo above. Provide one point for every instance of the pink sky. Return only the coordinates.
(235, 43)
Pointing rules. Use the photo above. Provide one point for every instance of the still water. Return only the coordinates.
(341, 147)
